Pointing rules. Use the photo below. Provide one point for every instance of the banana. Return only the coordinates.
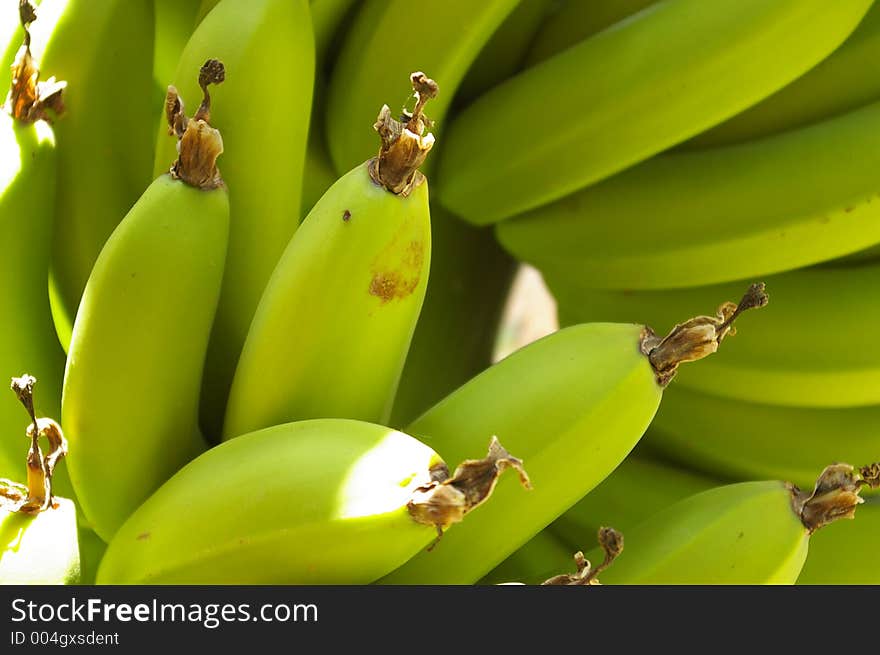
(27, 192)
(575, 403)
(846, 553)
(333, 327)
(470, 277)
(502, 55)
(778, 362)
(327, 17)
(266, 145)
(98, 46)
(38, 530)
(10, 39)
(696, 218)
(131, 385)
(326, 501)
(380, 49)
(637, 489)
(849, 78)
(620, 104)
(741, 440)
(746, 533)
(575, 20)
(91, 550)
(205, 8)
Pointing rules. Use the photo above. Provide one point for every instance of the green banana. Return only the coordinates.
(326, 501)
(575, 20)
(846, 553)
(575, 403)
(693, 218)
(849, 78)
(470, 277)
(778, 361)
(380, 49)
(637, 489)
(266, 145)
(91, 550)
(131, 386)
(327, 17)
(205, 8)
(502, 55)
(746, 533)
(10, 39)
(620, 104)
(97, 46)
(342, 304)
(27, 193)
(39, 549)
(751, 441)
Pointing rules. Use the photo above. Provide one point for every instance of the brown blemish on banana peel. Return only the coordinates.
(443, 502)
(403, 278)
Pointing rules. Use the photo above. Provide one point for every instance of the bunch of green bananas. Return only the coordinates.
(266, 323)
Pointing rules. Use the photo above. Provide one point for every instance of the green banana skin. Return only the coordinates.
(40, 549)
(174, 23)
(237, 514)
(339, 309)
(29, 342)
(504, 52)
(637, 489)
(849, 78)
(91, 550)
(10, 39)
(327, 18)
(744, 533)
(100, 119)
(265, 140)
(131, 386)
(622, 104)
(742, 440)
(574, 403)
(575, 20)
(381, 49)
(846, 552)
(470, 279)
(697, 218)
(204, 9)
(780, 360)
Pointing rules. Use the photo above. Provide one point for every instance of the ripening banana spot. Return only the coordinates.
(402, 280)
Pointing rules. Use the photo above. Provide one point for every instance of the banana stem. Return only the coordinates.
(199, 145)
(404, 146)
(446, 500)
(835, 495)
(611, 542)
(698, 337)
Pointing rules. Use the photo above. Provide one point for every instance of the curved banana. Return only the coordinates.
(694, 218)
(746, 533)
(326, 501)
(575, 403)
(131, 386)
(575, 20)
(847, 79)
(266, 146)
(342, 304)
(470, 277)
(846, 553)
(27, 212)
(381, 47)
(637, 489)
(617, 105)
(815, 349)
(751, 441)
(175, 21)
(98, 47)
